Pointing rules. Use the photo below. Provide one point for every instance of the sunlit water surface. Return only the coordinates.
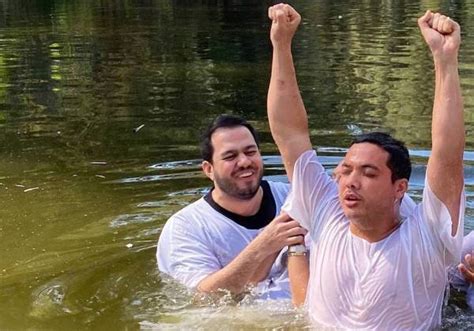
(102, 103)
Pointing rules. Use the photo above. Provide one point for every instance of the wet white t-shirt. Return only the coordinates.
(198, 241)
(397, 283)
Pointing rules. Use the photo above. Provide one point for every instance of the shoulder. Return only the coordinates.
(189, 217)
(197, 207)
(279, 186)
(308, 164)
(308, 156)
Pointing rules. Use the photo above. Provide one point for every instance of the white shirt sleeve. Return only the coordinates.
(185, 255)
(437, 217)
(407, 206)
(311, 188)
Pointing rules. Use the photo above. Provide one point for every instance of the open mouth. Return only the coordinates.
(351, 199)
(245, 174)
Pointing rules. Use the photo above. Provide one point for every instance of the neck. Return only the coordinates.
(247, 207)
(372, 233)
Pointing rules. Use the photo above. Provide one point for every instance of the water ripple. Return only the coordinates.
(185, 164)
(155, 178)
(127, 219)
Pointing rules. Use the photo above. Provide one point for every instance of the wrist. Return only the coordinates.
(297, 250)
(443, 63)
(281, 45)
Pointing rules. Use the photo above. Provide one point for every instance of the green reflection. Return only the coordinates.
(77, 77)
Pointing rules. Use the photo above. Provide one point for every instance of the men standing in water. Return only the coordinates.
(232, 237)
(370, 269)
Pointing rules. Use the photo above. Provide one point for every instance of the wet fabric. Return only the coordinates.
(397, 283)
(199, 240)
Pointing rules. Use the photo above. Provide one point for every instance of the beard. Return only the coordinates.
(246, 192)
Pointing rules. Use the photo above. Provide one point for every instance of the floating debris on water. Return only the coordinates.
(19, 185)
(100, 176)
(98, 163)
(354, 129)
(130, 245)
(138, 128)
(31, 189)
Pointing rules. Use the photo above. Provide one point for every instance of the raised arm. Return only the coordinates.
(445, 165)
(286, 112)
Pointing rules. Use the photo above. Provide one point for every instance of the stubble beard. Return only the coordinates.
(229, 187)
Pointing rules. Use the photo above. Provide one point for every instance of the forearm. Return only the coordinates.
(448, 118)
(254, 262)
(445, 170)
(298, 272)
(286, 112)
(264, 269)
(238, 274)
(285, 106)
(445, 165)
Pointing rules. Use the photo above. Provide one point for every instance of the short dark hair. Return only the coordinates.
(222, 121)
(398, 156)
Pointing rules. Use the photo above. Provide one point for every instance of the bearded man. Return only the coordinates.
(231, 239)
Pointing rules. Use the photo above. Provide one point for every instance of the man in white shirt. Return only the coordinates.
(232, 238)
(370, 269)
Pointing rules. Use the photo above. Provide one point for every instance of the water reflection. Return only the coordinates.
(94, 266)
(85, 193)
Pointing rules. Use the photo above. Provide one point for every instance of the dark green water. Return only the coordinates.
(84, 194)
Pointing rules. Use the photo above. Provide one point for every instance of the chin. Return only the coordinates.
(352, 215)
(246, 195)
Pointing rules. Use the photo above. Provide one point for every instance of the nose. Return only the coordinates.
(243, 161)
(352, 181)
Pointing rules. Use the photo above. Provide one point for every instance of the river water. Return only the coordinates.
(101, 106)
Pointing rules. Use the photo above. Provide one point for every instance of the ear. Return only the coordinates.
(208, 169)
(401, 186)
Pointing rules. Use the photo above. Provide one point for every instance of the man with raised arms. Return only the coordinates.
(233, 237)
(370, 269)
